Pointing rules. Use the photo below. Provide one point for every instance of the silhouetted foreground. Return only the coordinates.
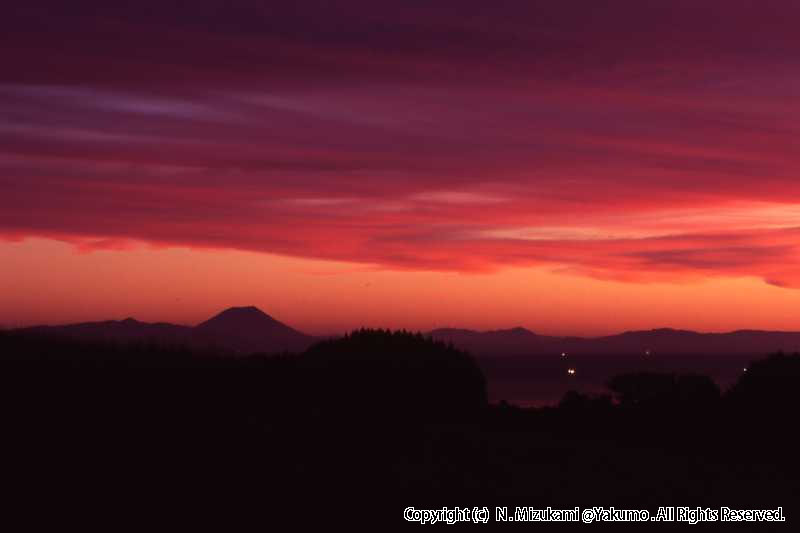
(378, 419)
(521, 366)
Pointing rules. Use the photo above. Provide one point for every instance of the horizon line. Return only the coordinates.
(9, 327)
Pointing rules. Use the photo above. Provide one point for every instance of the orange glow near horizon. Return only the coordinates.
(47, 281)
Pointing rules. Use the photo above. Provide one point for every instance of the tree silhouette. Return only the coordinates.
(395, 374)
(662, 390)
(768, 385)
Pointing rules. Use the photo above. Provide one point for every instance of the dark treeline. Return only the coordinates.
(389, 419)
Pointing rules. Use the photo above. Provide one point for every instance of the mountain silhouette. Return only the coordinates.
(125, 330)
(249, 329)
(502, 341)
(241, 330)
(662, 341)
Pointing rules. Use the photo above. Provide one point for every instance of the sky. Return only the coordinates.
(572, 167)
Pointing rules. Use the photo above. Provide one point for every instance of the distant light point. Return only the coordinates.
(571, 371)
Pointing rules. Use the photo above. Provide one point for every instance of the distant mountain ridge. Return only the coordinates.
(663, 341)
(248, 329)
(242, 330)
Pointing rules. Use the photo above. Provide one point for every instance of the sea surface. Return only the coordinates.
(537, 380)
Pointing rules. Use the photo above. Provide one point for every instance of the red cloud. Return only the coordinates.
(625, 142)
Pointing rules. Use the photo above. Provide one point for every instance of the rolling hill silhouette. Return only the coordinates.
(664, 341)
(129, 329)
(238, 329)
(248, 330)
(515, 341)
